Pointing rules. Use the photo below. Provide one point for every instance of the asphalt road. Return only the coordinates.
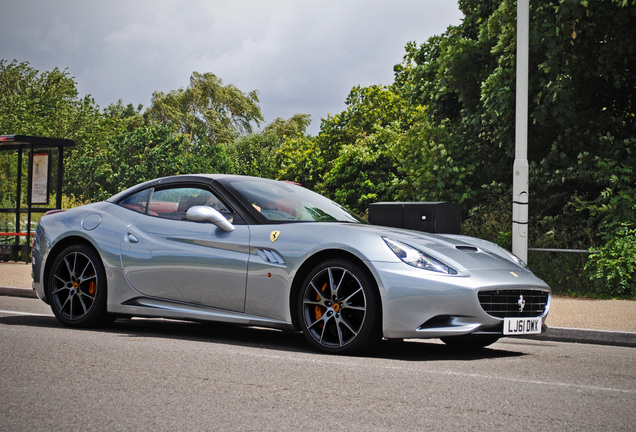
(166, 375)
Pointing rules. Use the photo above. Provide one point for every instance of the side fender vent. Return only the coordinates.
(270, 256)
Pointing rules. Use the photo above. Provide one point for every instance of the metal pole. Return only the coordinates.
(18, 201)
(60, 177)
(520, 178)
(29, 204)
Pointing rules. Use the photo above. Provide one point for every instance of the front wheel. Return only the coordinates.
(339, 308)
(76, 287)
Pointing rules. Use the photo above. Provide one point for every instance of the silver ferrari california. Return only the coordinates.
(267, 253)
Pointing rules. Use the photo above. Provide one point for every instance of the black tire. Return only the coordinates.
(76, 287)
(470, 342)
(339, 308)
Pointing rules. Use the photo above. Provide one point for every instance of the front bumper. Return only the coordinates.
(422, 304)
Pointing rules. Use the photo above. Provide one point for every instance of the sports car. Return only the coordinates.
(259, 252)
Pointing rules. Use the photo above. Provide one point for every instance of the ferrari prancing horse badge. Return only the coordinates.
(274, 236)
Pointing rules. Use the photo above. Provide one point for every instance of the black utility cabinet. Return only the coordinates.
(432, 217)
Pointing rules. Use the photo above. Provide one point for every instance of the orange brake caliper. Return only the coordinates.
(319, 310)
(91, 287)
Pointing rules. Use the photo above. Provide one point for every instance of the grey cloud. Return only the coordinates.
(301, 55)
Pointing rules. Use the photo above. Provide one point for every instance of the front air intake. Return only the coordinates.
(515, 303)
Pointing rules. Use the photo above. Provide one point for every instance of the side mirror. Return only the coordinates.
(208, 214)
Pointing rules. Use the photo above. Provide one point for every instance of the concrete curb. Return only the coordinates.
(555, 334)
(589, 336)
(18, 292)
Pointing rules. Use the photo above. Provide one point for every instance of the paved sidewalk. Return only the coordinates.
(605, 322)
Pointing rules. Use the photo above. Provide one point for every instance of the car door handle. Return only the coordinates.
(131, 238)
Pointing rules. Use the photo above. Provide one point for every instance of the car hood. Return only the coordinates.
(457, 251)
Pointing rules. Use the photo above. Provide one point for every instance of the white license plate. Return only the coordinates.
(521, 326)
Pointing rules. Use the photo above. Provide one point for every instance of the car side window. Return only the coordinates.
(137, 202)
(174, 202)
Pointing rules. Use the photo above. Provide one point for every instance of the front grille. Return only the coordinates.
(507, 303)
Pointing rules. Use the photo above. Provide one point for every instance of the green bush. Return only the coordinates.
(613, 268)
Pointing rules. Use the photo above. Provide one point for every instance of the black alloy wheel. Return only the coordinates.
(76, 287)
(339, 308)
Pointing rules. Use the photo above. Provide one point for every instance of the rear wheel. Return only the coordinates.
(339, 308)
(76, 287)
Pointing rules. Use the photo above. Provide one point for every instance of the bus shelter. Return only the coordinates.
(40, 152)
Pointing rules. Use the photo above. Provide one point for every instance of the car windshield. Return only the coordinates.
(287, 202)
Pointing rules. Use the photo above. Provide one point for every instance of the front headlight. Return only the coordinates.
(416, 258)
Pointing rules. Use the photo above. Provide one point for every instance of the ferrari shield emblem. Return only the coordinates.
(274, 236)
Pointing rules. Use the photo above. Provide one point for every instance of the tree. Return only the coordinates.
(368, 108)
(364, 171)
(352, 152)
(582, 125)
(254, 155)
(294, 127)
(131, 117)
(207, 112)
(41, 104)
(582, 87)
(301, 161)
(428, 170)
(47, 104)
(259, 154)
(146, 153)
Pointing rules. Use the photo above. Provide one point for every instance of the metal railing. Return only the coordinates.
(579, 251)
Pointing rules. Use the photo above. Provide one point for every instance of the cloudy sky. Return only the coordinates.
(303, 56)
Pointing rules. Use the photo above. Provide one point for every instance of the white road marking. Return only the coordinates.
(452, 373)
